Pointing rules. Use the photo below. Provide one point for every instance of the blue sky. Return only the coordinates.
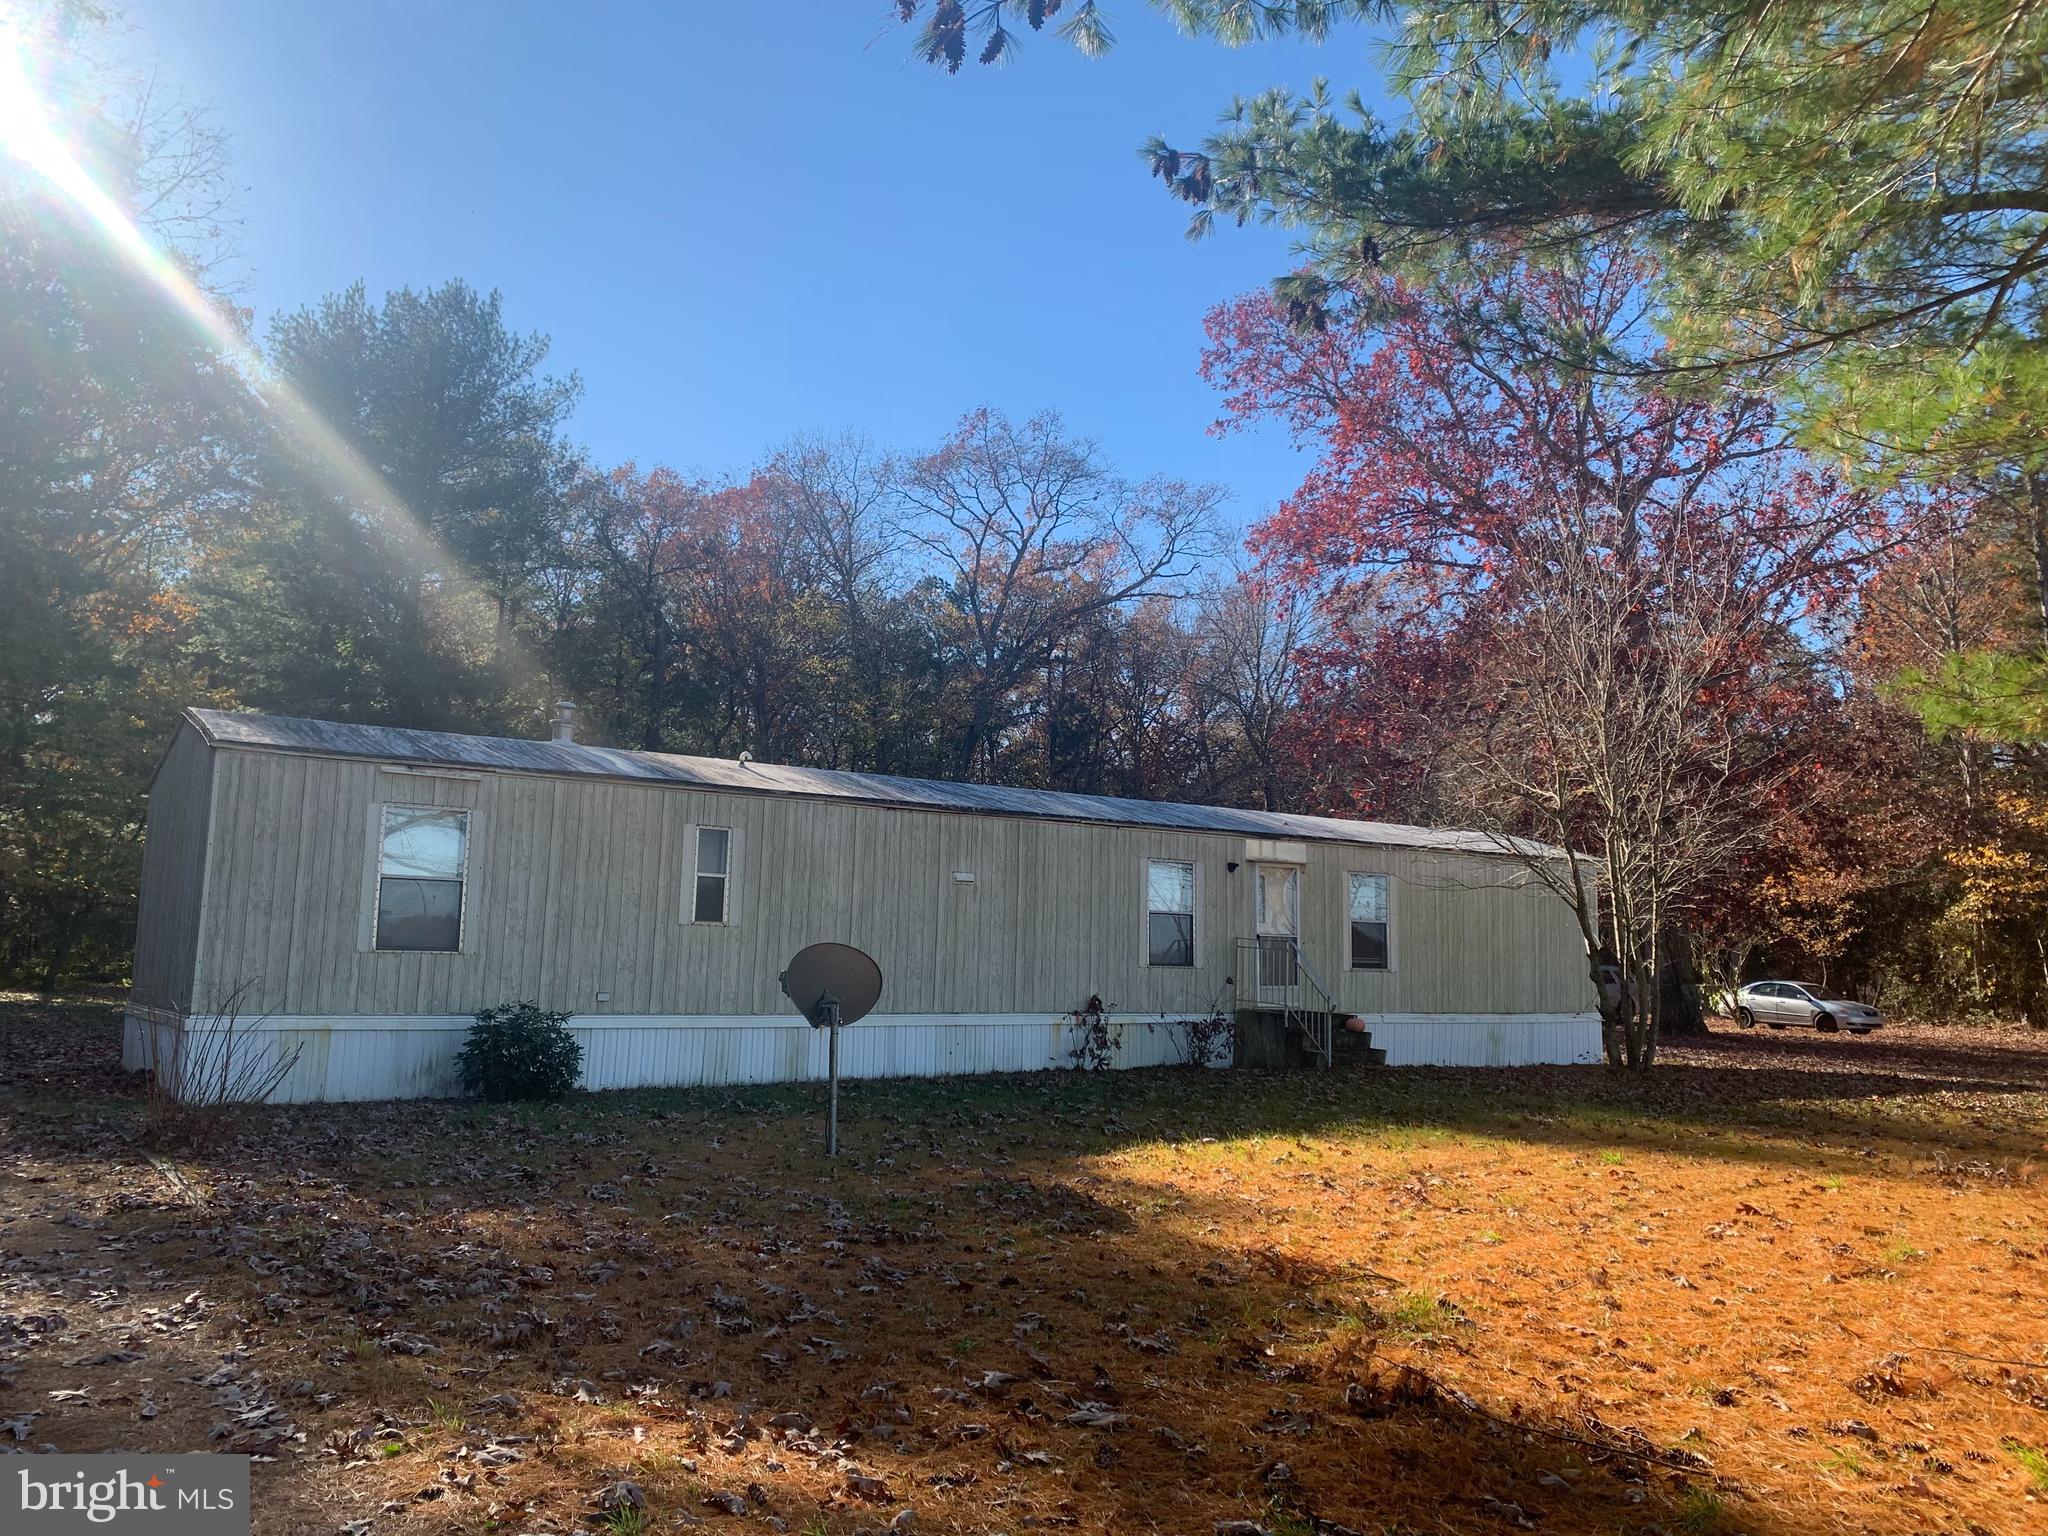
(741, 221)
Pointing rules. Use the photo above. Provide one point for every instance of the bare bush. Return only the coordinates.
(205, 1069)
(1208, 1042)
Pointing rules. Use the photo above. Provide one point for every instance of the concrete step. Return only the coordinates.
(1356, 1050)
(1267, 1042)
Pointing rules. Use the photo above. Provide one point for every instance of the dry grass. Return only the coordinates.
(1791, 1284)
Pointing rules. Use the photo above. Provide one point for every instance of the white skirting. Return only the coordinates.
(1486, 1039)
(414, 1057)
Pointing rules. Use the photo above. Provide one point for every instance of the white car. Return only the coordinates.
(1782, 1003)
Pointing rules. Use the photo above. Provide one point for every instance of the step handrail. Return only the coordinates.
(1289, 998)
(1326, 1036)
(1322, 987)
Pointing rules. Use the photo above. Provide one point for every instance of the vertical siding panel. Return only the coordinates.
(259, 891)
(535, 825)
(332, 877)
(648, 908)
(597, 827)
(222, 915)
(613, 850)
(227, 909)
(497, 897)
(623, 978)
(168, 915)
(293, 883)
(557, 896)
(666, 928)
(919, 938)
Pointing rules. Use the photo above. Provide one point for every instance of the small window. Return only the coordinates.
(1169, 912)
(421, 859)
(714, 875)
(1368, 922)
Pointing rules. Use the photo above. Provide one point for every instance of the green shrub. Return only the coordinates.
(520, 1051)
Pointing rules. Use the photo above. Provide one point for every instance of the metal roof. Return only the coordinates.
(503, 754)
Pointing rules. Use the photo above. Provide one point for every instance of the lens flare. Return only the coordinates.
(27, 133)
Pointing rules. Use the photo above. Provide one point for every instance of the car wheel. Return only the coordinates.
(1745, 1018)
(1825, 1023)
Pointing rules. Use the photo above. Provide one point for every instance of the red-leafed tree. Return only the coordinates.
(1569, 609)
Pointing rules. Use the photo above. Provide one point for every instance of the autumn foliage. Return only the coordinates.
(1559, 604)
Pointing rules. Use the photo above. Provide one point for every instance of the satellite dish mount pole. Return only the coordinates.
(828, 1020)
(832, 985)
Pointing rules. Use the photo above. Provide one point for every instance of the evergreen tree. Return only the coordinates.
(1848, 198)
(422, 608)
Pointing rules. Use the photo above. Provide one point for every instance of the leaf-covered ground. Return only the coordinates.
(1791, 1283)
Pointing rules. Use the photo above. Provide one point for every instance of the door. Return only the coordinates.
(1785, 1004)
(1799, 1007)
(1276, 915)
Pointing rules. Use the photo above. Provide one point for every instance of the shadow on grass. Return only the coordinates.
(1767, 1114)
(1001, 1345)
(1758, 1096)
(686, 1264)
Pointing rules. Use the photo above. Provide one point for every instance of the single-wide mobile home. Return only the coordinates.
(344, 897)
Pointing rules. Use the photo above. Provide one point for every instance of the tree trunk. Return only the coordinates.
(1613, 1038)
(1642, 1043)
(980, 715)
(1613, 1008)
(651, 738)
(1679, 1008)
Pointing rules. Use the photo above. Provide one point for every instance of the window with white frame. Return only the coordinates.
(711, 895)
(1169, 912)
(422, 863)
(1369, 922)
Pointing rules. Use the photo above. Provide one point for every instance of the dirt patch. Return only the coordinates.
(1787, 1284)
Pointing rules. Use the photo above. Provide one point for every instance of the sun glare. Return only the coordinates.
(26, 132)
(29, 135)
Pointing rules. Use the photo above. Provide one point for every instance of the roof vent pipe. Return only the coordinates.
(565, 721)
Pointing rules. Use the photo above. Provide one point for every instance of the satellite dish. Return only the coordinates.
(832, 971)
(832, 985)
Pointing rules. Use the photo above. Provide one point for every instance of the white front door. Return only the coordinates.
(1276, 916)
